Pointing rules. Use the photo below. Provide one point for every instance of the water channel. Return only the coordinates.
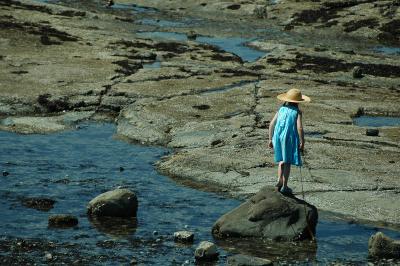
(74, 166)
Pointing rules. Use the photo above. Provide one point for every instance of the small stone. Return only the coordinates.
(62, 221)
(183, 236)
(133, 261)
(374, 132)
(357, 72)
(5, 173)
(48, 256)
(206, 251)
(155, 233)
(192, 35)
(121, 169)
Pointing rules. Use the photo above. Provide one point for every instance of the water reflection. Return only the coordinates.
(115, 226)
(299, 252)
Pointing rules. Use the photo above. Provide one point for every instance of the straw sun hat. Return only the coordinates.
(293, 96)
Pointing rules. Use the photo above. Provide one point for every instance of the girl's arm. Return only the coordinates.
(300, 130)
(271, 130)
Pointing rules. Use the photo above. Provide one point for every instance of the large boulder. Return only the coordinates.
(115, 203)
(382, 246)
(269, 215)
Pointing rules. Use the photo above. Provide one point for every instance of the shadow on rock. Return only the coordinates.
(114, 226)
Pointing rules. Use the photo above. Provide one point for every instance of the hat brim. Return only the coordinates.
(283, 97)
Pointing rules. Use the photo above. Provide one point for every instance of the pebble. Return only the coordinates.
(183, 236)
(133, 261)
(48, 256)
(5, 173)
(155, 233)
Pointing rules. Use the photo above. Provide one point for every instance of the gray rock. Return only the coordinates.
(357, 72)
(260, 12)
(62, 221)
(117, 203)
(269, 215)
(184, 236)
(48, 256)
(40, 204)
(243, 260)
(382, 246)
(206, 251)
(372, 132)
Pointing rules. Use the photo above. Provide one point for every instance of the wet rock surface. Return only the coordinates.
(210, 105)
(115, 203)
(382, 246)
(184, 236)
(206, 251)
(62, 221)
(269, 215)
(41, 204)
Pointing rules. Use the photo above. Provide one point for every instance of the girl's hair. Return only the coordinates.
(290, 103)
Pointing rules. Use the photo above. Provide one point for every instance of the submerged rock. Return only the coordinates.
(62, 221)
(40, 204)
(118, 203)
(183, 236)
(382, 246)
(269, 215)
(206, 251)
(243, 260)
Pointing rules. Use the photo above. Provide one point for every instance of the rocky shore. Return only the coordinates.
(61, 65)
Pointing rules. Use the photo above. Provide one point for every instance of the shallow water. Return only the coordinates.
(75, 166)
(387, 50)
(233, 45)
(376, 121)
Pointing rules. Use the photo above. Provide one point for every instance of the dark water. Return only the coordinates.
(75, 166)
(377, 121)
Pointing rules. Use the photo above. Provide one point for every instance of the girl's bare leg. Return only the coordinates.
(280, 177)
(285, 173)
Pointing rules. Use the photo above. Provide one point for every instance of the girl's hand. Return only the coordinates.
(301, 146)
(270, 145)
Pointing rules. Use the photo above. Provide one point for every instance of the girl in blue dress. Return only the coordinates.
(286, 136)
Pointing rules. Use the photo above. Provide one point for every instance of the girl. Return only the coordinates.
(286, 136)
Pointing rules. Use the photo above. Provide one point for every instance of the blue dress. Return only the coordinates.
(286, 138)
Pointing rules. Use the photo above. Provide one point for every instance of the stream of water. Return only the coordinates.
(75, 166)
